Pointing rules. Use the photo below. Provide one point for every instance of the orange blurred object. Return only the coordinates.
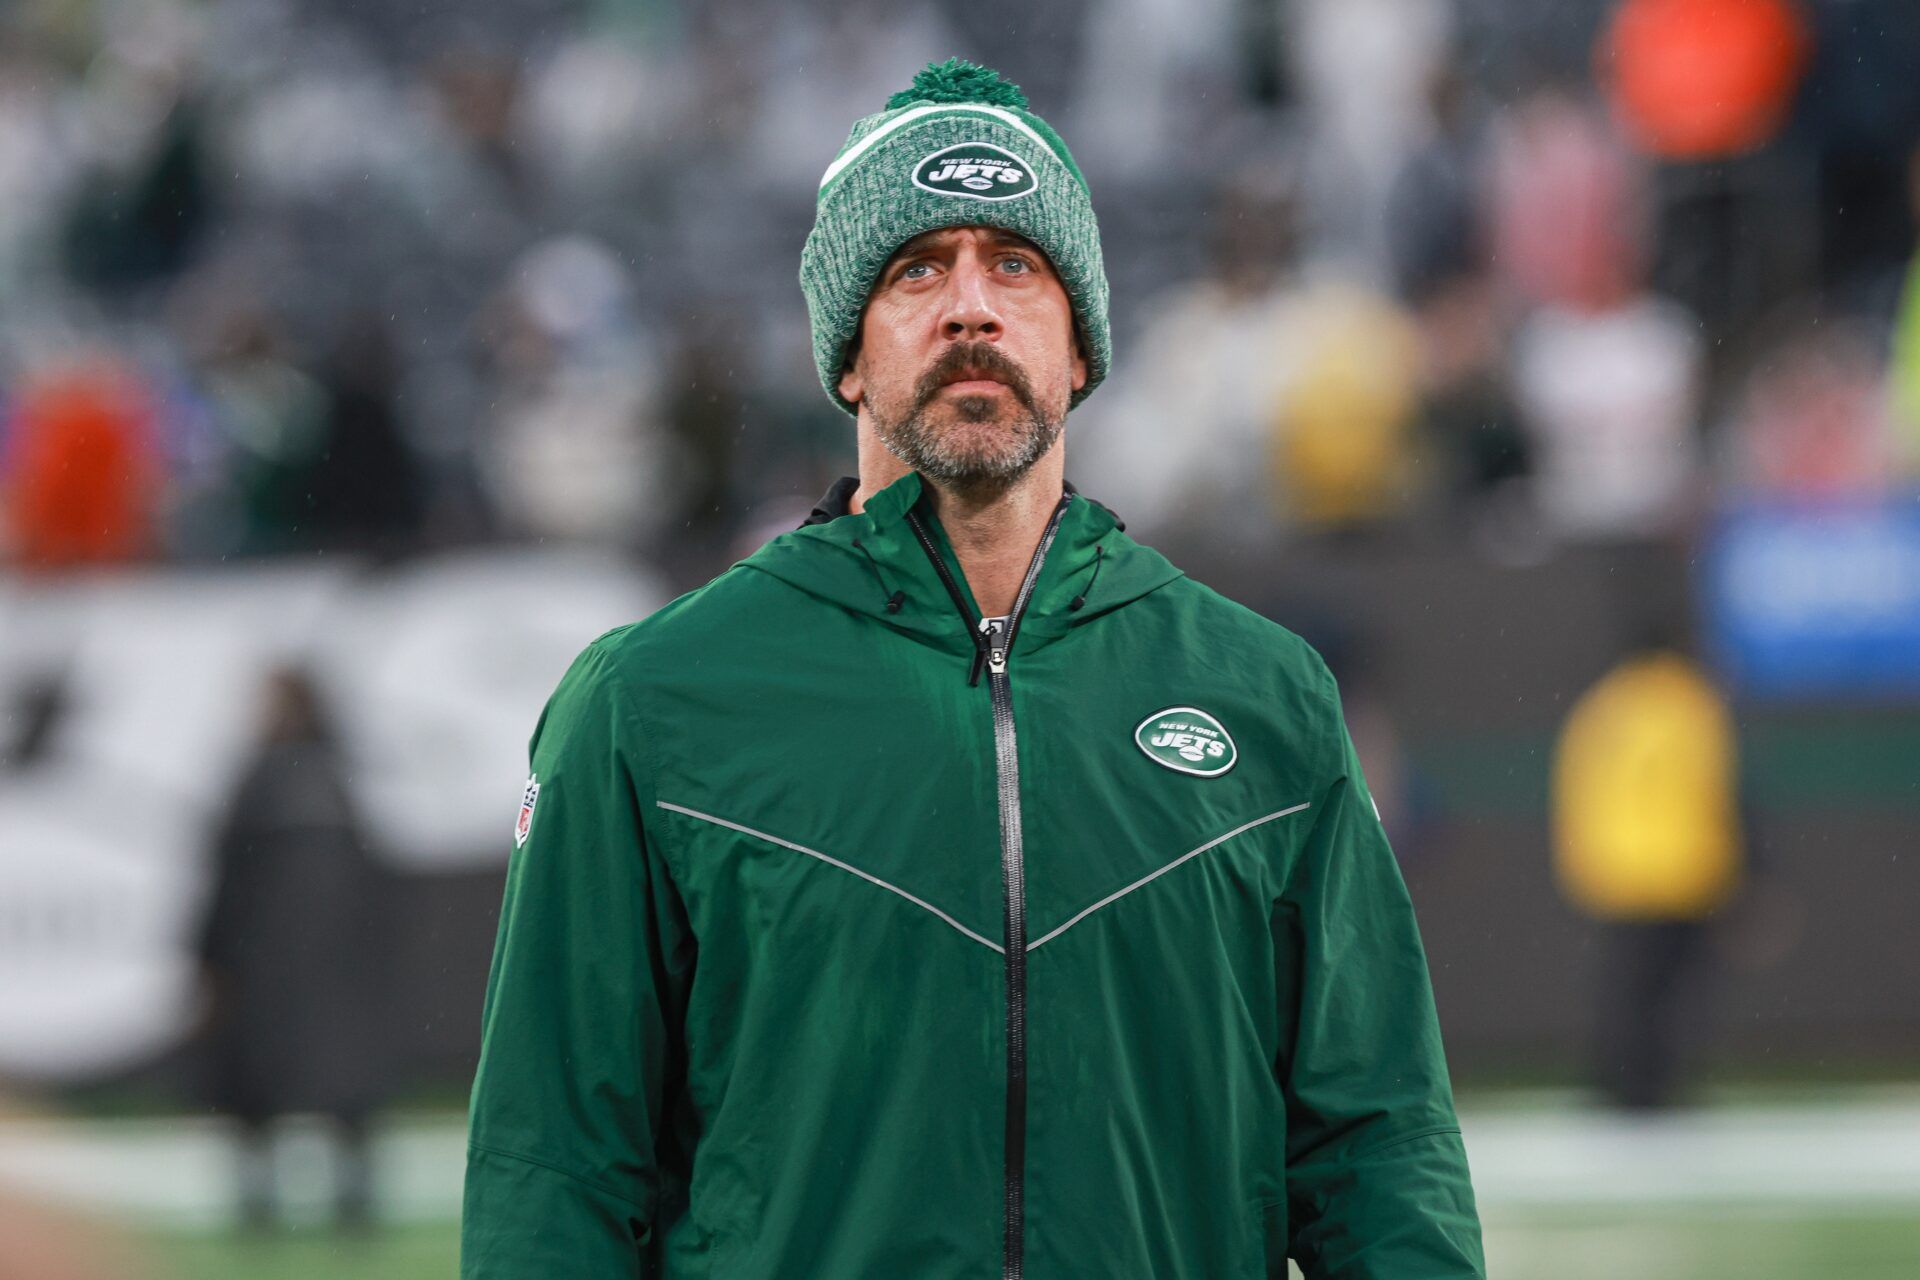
(81, 475)
(40, 1241)
(1703, 79)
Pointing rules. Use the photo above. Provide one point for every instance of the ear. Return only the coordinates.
(1079, 361)
(851, 384)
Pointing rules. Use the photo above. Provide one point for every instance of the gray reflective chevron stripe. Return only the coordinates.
(1055, 932)
(1191, 853)
(831, 861)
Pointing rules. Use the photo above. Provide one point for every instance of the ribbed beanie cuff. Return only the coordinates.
(959, 148)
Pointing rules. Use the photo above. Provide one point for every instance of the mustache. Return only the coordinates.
(983, 356)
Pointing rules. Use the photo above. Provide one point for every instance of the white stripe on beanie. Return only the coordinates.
(860, 148)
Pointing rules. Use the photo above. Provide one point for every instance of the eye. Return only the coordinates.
(908, 272)
(1019, 266)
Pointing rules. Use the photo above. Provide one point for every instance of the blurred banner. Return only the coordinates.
(1817, 600)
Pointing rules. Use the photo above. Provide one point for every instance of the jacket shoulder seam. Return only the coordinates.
(632, 710)
(590, 1183)
(1335, 710)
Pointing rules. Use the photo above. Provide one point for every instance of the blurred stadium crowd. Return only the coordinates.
(286, 276)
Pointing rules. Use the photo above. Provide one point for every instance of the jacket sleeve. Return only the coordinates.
(1377, 1182)
(580, 1044)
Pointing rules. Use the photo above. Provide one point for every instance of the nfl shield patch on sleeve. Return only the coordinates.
(524, 825)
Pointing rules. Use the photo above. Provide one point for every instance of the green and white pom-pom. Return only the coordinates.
(957, 80)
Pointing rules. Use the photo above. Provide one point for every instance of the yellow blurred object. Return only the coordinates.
(1340, 434)
(1645, 814)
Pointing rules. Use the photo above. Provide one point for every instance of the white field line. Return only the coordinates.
(1836, 1156)
(1841, 1153)
(178, 1171)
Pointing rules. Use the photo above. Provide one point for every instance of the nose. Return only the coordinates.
(969, 312)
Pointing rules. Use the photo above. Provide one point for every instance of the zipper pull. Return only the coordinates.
(995, 631)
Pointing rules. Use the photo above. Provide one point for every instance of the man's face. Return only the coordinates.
(965, 358)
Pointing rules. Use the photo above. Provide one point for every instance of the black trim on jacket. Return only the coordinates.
(834, 502)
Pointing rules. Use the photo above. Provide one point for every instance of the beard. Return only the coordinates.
(970, 441)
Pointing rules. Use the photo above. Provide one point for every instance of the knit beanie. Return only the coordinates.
(958, 148)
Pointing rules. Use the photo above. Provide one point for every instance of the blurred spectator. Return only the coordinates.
(1470, 416)
(1261, 394)
(1436, 214)
(294, 948)
(579, 447)
(705, 413)
(1812, 419)
(1342, 453)
(1702, 79)
(1606, 375)
(1647, 841)
(1568, 212)
(367, 489)
(1178, 446)
(146, 200)
(33, 718)
(127, 230)
(1440, 234)
(1608, 396)
(80, 476)
(271, 416)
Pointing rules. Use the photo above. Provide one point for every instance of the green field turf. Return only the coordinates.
(396, 1253)
(1752, 1243)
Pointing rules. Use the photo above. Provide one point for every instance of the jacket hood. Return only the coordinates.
(865, 561)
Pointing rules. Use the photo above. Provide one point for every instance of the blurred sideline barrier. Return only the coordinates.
(437, 672)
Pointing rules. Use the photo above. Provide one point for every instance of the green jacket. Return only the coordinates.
(848, 943)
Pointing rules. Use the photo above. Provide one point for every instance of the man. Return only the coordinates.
(953, 888)
(1648, 842)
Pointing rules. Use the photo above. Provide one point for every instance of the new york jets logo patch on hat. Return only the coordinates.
(975, 171)
(1188, 740)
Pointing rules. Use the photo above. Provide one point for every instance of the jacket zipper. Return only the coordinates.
(991, 649)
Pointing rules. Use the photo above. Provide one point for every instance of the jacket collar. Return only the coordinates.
(873, 563)
(834, 503)
(837, 501)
